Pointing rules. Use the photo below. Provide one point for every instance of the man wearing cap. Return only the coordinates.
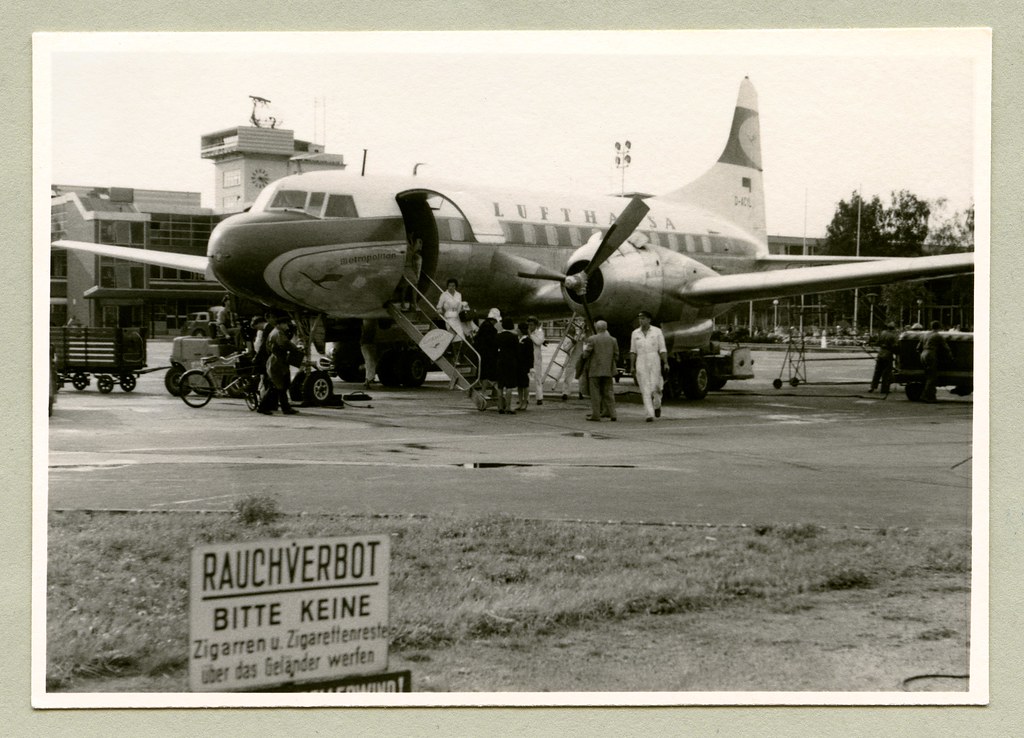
(888, 342)
(647, 358)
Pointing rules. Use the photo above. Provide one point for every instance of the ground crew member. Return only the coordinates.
(647, 358)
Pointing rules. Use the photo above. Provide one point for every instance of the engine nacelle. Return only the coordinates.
(635, 278)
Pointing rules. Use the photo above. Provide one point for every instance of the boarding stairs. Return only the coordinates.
(575, 332)
(419, 320)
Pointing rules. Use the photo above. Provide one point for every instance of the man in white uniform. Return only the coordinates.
(647, 358)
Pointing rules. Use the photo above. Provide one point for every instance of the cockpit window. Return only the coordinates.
(340, 206)
(289, 199)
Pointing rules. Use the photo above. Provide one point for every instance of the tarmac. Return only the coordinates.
(825, 452)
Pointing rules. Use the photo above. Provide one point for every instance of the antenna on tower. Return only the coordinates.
(257, 101)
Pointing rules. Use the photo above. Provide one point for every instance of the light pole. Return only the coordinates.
(622, 160)
(775, 326)
(871, 316)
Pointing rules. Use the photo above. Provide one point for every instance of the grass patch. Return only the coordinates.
(117, 589)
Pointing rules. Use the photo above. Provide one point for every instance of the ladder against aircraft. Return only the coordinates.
(559, 362)
(419, 319)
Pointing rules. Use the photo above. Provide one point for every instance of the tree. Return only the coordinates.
(841, 233)
(905, 225)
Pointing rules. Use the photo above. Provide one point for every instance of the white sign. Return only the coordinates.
(272, 612)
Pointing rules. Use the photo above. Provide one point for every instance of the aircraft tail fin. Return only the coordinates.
(734, 187)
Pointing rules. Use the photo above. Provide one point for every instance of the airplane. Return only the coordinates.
(333, 248)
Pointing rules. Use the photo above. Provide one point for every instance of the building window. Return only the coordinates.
(58, 264)
(122, 233)
(230, 201)
(233, 178)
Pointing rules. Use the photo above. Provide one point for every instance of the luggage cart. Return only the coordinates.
(112, 355)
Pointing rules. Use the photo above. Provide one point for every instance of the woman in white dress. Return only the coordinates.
(450, 305)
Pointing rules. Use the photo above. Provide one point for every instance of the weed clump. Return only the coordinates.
(256, 510)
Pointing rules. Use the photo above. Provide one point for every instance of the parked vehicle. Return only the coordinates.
(958, 374)
(113, 355)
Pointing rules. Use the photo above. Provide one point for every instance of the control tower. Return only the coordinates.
(248, 158)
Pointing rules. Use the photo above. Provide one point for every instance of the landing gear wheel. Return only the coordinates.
(695, 381)
(105, 384)
(777, 384)
(127, 382)
(80, 381)
(914, 390)
(414, 369)
(794, 382)
(317, 389)
(196, 388)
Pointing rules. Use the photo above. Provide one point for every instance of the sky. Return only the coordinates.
(874, 111)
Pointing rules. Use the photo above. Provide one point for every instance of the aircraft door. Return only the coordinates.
(422, 247)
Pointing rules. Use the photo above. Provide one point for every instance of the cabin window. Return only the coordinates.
(673, 241)
(690, 245)
(340, 206)
(655, 239)
(552, 234)
(705, 243)
(458, 230)
(575, 237)
(529, 233)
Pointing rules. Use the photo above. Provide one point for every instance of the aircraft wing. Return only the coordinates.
(198, 264)
(802, 280)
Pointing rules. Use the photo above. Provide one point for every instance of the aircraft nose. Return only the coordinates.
(237, 257)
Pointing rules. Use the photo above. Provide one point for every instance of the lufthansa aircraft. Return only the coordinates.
(332, 248)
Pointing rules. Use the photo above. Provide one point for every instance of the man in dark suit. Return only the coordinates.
(602, 355)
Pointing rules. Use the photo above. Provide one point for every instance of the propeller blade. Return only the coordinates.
(543, 275)
(621, 229)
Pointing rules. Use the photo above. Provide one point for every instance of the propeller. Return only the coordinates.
(615, 236)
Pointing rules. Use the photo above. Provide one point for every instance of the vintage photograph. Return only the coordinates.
(325, 324)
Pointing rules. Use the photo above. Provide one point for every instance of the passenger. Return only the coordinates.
(648, 357)
(537, 338)
(368, 348)
(486, 344)
(507, 345)
(888, 344)
(934, 352)
(525, 362)
(258, 348)
(601, 354)
(450, 305)
(279, 345)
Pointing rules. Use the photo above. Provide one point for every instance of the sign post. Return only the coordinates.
(268, 613)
